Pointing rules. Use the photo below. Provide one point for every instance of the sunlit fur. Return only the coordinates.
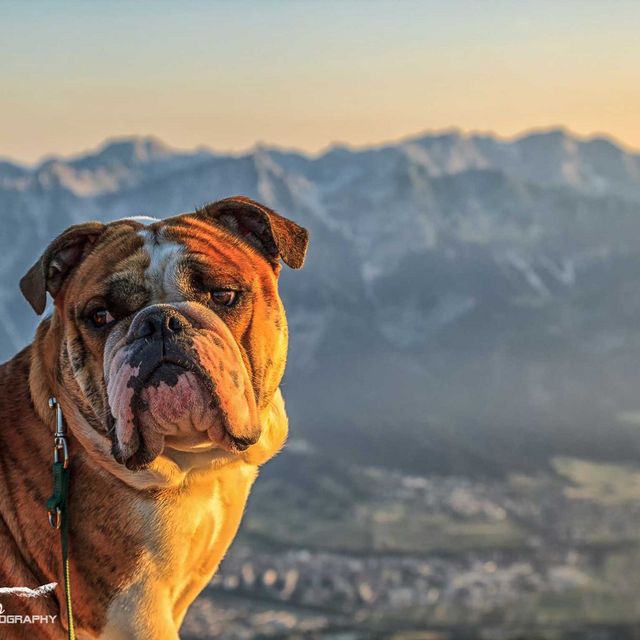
(144, 542)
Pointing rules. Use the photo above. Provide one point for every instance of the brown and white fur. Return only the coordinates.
(169, 385)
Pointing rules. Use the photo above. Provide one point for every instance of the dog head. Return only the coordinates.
(172, 333)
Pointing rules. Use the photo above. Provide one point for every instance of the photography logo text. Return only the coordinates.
(10, 618)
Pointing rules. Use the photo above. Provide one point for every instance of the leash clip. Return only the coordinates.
(60, 446)
(55, 518)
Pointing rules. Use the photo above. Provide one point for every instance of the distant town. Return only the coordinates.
(548, 554)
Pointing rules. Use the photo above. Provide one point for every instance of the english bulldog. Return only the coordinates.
(165, 349)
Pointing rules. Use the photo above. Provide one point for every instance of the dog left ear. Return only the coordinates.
(57, 262)
(274, 235)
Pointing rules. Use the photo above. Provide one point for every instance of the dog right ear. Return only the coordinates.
(60, 258)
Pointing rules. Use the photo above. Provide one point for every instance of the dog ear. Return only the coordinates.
(276, 236)
(57, 262)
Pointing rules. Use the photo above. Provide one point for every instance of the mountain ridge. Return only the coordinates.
(464, 283)
(480, 135)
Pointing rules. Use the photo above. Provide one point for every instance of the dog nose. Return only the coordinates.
(160, 323)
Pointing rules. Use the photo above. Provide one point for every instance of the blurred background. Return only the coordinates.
(464, 372)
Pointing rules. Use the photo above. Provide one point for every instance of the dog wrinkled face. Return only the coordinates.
(174, 336)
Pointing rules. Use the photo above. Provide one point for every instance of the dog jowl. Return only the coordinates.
(166, 347)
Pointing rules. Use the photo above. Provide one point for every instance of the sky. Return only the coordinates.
(306, 74)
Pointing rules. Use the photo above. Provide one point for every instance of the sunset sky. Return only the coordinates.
(306, 74)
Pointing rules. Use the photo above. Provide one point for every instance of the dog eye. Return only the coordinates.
(224, 297)
(101, 317)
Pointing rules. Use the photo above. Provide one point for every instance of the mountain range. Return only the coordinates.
(469, 303)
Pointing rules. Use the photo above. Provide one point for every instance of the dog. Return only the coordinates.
(165, 350)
